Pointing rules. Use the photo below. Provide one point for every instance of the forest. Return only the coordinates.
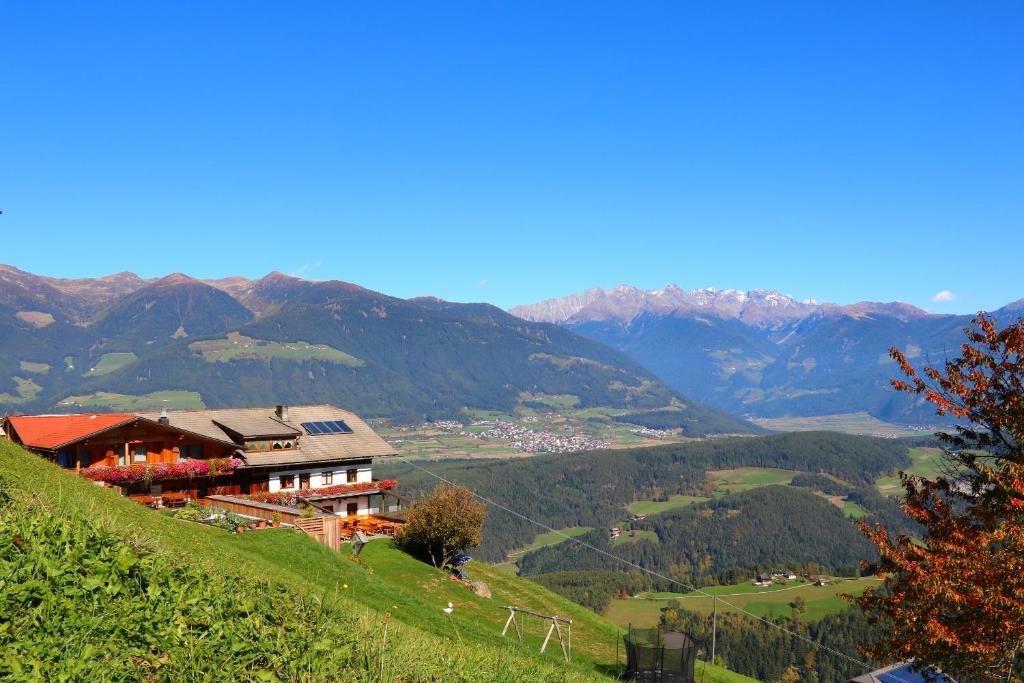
(764, 651)
(724, 541)
(594, 488)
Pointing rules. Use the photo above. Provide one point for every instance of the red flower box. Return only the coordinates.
(185, 469)
(290, 498)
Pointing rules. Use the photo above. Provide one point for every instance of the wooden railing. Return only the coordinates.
(253, 508)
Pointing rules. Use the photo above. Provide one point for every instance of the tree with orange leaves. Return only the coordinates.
(955, 599)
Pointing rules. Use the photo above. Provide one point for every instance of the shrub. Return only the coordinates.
(443, 524)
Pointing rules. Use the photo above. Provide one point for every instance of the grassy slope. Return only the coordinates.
(424, 644)
(927, 462)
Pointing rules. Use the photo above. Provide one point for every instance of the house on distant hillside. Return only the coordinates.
(320, 452)
(762, 580)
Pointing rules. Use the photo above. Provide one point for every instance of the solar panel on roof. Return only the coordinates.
(327, 427)
(342, 427)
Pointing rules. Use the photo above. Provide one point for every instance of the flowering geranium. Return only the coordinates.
(290, 498)
(184, 469)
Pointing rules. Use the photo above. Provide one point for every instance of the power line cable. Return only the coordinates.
(650, 572)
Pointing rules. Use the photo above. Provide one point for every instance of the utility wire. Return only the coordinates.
(650, 572)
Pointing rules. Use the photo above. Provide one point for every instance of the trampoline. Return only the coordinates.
(656, 656)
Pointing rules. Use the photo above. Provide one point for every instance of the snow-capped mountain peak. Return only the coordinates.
(762, 308)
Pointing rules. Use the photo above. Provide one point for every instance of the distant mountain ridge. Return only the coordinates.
(759, 307)
(765, 354)
(128, 343)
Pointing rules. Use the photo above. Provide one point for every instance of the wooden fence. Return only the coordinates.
(324, 529)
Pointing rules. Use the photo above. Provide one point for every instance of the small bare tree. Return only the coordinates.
(442, 524)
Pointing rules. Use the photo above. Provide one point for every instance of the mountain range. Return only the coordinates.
(123, 342)
(764, 354)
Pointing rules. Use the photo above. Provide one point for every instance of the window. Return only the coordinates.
(304, 480)
(328, 478)
(121, 457)
(351, 476)
(65, 459)
(194, 450)
(277, 446)
(287, 481)
(288, 444)
(139, 454)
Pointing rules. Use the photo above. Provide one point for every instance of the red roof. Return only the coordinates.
(51, 431)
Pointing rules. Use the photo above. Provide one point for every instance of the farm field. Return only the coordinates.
(102, 400)
(770, 601)
(27, 390)
(628, 537)
(37, 368)
(653, 507)
(110, 362)
(848, 423)
(926, 462)
(239, 347)
(746, 478)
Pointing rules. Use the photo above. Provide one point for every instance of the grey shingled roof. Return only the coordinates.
(256, 426)
(363, 442)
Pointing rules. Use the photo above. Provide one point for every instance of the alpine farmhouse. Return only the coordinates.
(322, 453)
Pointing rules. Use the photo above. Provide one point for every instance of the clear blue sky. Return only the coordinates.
(511, 152)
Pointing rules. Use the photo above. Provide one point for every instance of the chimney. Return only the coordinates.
(282, 413)
(163, 419)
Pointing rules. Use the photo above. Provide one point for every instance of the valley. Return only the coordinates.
(849, 423)
(525, 431)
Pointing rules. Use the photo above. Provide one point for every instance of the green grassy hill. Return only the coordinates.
(97, 587)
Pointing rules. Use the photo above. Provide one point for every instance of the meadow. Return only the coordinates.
(126, 403)
(239, 347)
(771, 601)
(927, 462)
(109, 362)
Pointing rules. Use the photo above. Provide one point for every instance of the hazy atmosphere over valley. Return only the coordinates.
(512, 342)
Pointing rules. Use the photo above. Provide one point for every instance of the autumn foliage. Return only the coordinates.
(442, 524)
(955, 600)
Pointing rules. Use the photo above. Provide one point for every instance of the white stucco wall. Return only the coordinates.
(340, 506)
(364, 474)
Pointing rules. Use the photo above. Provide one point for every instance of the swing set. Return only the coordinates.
(555, 620)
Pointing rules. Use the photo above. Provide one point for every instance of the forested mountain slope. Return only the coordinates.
(125, 342)
(593, 489)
